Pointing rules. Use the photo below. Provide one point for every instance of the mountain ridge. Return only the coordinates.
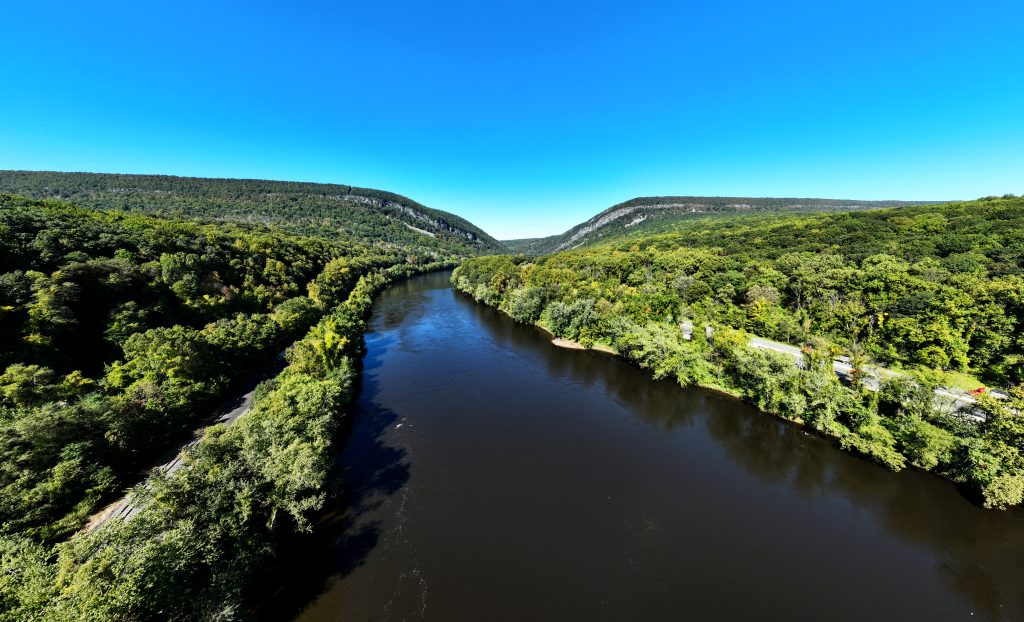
(328, 210)
(663, 210)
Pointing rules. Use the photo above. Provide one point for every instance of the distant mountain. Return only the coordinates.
(533, 246)
(657, 214)
(326, 210)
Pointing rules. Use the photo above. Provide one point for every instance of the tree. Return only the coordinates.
(26, 579)
(26, 385)
(333, 284)
(997, 455)
(525, 304)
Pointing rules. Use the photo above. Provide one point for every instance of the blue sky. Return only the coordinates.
(527, 117)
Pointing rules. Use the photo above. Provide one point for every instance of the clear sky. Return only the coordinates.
(527, 117)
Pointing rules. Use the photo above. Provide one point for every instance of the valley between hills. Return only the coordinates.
(137, 310)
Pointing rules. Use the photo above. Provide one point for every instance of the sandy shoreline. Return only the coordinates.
(573, 345)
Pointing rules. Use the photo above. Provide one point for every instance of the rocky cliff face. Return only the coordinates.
(420, 217)
(577, 237)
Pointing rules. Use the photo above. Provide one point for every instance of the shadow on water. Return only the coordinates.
(981, 550)
(367, 471)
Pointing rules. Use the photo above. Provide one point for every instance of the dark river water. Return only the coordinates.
(493, 476)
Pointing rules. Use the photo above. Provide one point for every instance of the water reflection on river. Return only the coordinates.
(491, 476)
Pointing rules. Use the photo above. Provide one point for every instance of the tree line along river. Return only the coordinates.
(491, 476)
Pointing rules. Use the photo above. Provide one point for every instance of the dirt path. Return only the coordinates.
(226, 415)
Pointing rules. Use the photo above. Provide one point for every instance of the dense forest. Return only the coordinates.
(930, 290)
(121, 333)
(333, 211)
(644, 216)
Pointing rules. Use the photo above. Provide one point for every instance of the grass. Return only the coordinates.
(961, 380)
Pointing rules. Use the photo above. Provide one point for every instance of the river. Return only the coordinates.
(492, 476)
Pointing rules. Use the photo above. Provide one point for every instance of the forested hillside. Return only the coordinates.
(533, 246)
(926, 288)
(120, 333)
(332, 211)
(648, 215)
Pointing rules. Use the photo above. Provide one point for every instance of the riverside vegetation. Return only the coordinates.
(925, 288)
(121, 332)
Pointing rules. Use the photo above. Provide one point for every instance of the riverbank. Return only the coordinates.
(903, 425)
(569, 344)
